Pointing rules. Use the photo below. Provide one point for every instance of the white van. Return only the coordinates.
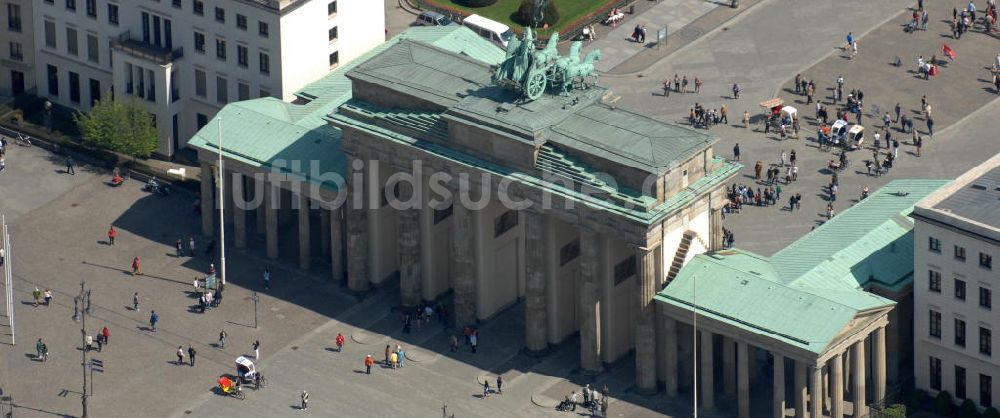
(496, 32)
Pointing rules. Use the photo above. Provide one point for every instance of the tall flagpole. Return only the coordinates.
(222, 208)
(694, 353)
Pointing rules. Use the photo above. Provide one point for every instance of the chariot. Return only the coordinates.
(530, 72)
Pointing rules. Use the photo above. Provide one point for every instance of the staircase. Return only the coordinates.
(679, 256)
(556, 162)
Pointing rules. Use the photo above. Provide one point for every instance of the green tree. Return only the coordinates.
(894, 411)
(991, 412)
(968, 409)
(943, 403)
(123, 126)
(526, 13)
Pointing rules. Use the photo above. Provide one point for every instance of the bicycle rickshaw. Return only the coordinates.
(231, 388)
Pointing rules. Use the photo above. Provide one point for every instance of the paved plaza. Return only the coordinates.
(59, 224)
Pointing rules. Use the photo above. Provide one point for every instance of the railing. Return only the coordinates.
(140, 49)
(570, 31)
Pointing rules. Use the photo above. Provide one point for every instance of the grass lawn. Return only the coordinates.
(504, 10)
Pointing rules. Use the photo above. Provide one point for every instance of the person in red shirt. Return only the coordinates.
(135, 266)
(340, 342)
(106, 333)
(369, 361)
(112, 233)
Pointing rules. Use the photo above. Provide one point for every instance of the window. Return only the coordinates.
(113, 14)
(332, 35)
(331, 8)
(199, 83)
(241, 21)
(985, 390)
(960, 253)
(504, 223)
(220, 15)
(959, 332)
(198, 7)
(243, 91)
(145, 28)
(441, 214)
(48, 1)
(935, 373)
(985, 298)
(71, 45)
(93, 48)
(935, 324)
(95, 91)
(220, 49)
(264, 93)
(959, 382)
(50, 34)
(934, 244)
(985, 341)
(199, 42)
(71, 5)
(959, 289)
(934, 281)
(241, 56)
(201, 120)
(985, 261)
(175, 91)
(53, 76)
(178, 4)
(14, 17)
(221, 90)
(624, 270)
(265, 63)
(91, 8)
(262, 29)
(74, 87)
(569, 252)
(16, 51)
(335, 58)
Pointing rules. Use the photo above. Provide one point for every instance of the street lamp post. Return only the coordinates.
(255, 298)
(83, 340)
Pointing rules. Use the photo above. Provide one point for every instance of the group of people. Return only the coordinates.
(705, 118)
(592, 400)
(394, 358)
(44, 298)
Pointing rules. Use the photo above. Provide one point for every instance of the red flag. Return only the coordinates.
(949, 52)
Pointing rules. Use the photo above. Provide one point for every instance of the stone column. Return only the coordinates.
(878, 364)
(410, 279)
(858, 389)
(816, 392)
(305, 243)
(706, 375)
(778, 394)
(239, 212)
(336, 243)
(728, 365)
(535, 313)
(357, 242)
(324, 227)
(670, 355)
(837, 387)
(645, 321)
(207, 201)
(801, 390)
(742, 379)
(272, 195)
(715, 240)
(260, 186)
(463, 267)
(589, 309)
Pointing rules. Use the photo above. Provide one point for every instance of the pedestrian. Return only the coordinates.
(736, 91)
(677, 84)
(486, 388)
(499, 385)
(757, 168)
(100, 342)
(191, 354)
(222, 338)
(453, 347)
(267, 277)
(135, 301)
(153, 319)
(876, 137)
(191, 247)
(106, 333)
(736, 152)
(918, 142)
(340, 342)
(850, 40)
(697, 85)
(930, 127)
(898, 110)
(39, 349)
(798, 79)
(369, 361)
(746, 119)
(573, 399)
(305, 400)
(474, 340)
(393, 359)
(256, 350)
(400, 356)
(388, 350)
(47, 296)
(37, 295)
(684, 84)
(886, 120)
(666, 88)
(179, 246)
(135, 266)
(723, 112)
(180, 355)
(112, 233)
(69, 165)
(782, 159)
(792, 157)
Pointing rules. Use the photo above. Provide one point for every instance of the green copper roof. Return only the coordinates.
(262, 132)
(806, 294)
